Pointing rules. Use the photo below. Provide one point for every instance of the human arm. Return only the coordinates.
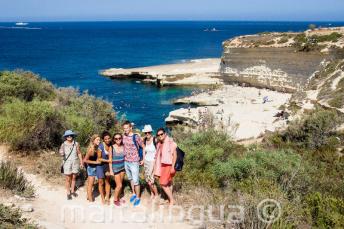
(61, 150)
(79, 155)
(110, 164)
(174, 159)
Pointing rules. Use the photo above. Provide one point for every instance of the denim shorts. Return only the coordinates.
(91, 171)
(132, 169)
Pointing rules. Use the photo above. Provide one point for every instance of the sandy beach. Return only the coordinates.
(240, 111)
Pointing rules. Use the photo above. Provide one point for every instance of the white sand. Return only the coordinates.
(240, 110)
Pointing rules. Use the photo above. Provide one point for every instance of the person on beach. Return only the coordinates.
(117, 166)
(105, 150)
(72, 161)
(149, 156)
(131, 144)
(91, 159)
(166, 157)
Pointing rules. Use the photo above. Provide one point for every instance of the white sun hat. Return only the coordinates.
(147, 128)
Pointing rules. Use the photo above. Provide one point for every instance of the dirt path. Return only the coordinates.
(53, 211)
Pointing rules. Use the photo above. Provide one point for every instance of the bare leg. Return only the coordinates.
(107, 189)
(101, 189)
(90, 182)
(68, 182)
(73, 182)
(118, 189)
(168, 191)
(137, 191)
(153, 189)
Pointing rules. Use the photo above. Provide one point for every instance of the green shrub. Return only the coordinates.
(333, 37)
(313, 131)
(34, 114)
(326, 211)
(25, 86)
(85, 113)
(13, 179)
(11, 218)
(30, 125)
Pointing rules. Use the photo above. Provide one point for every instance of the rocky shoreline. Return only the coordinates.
(255, 77)
(200, 72)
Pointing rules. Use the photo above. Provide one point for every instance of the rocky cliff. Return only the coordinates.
(279, 61)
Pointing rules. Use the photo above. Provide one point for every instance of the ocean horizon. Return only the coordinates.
(72, 53)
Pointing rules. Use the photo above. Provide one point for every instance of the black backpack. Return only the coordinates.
(180, 159)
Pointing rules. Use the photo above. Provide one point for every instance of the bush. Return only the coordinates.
(11, 218)
(13, 179)
(85, 114)
(30, 125)
(325, 211)
(313, 131)
(25, 86)
(34, 114)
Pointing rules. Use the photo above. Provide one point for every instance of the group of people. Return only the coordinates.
(111, 157)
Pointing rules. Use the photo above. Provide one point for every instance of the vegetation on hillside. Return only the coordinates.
(299, 167)
(34, 114)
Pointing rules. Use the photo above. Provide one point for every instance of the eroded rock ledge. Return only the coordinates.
(196, 72)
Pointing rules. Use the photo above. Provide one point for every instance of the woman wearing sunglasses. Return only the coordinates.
(149, 159)
(117, 166)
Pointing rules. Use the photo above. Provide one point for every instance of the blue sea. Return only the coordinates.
(72, 54)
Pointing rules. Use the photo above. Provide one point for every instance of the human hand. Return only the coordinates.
(173, 170)
(141, 162)
(81, 165)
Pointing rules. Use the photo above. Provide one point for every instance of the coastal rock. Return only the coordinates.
(279, 61)
(196, 72)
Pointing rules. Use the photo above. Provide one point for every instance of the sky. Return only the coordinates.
(113, 10)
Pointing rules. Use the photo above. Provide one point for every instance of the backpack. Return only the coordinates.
(139, 148)
(180, 159)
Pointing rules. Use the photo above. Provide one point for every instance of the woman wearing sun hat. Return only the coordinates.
(72, 161)
(149, 159)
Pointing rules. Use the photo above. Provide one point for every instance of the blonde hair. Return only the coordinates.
(91, 146)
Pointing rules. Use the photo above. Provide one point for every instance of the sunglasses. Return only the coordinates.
(159, 135)
(148, 133)
(116, 139)
(69, 136)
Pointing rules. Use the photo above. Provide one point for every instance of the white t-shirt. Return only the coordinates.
(150, 151)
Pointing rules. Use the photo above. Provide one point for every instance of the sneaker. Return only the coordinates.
(69, 196)
(74, 194)
(137, 202)
(117, 203)
(132, 198)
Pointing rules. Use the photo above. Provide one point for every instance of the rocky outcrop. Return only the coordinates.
(279, 61)
(196, 72)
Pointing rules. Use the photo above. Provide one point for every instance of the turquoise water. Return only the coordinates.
(72, 53)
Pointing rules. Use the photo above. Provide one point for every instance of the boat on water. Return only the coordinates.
(22, 23)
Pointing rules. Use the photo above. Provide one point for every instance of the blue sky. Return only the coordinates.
(94, 10)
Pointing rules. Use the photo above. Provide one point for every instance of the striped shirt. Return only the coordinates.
(117, 160)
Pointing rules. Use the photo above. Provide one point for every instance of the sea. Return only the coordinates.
(73, 53)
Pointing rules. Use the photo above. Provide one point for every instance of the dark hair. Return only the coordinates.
(113, 138)
(161, 129)
(106, 133)
(127, 123)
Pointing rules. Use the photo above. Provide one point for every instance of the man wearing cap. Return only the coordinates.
(72, 161)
